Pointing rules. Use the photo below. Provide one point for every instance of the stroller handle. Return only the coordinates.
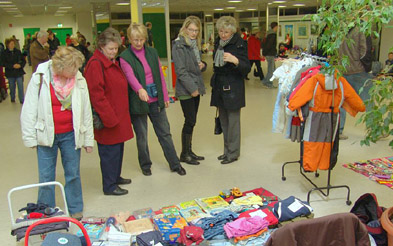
(54, 220)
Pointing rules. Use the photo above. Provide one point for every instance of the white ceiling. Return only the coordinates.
(58, 7)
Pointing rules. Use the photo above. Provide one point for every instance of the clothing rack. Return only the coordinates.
(328, 186)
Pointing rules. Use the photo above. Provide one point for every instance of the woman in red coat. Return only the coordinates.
(254, 52)
(109, 97)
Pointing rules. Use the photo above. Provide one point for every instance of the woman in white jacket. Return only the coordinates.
(57, 115)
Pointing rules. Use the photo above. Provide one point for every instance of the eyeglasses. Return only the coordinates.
(193, 30)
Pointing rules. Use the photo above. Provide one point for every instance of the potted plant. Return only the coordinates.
(340, 16)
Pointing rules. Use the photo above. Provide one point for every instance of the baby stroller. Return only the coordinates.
(40, 226)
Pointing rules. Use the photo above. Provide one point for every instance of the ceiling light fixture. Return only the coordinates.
(251, 9)
(5, 2)
(230, 7)
(65, 7)
(61, 11)
(282, 6)
(122, 4)
(218, 9)
(299, 4)
(235, 1)
(279, 1)
(208, 15)
(239, 10)
(7, 6)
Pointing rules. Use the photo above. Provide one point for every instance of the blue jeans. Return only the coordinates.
(161, 127)
(357, 81)
(271, 66)
(13, 81)
(70, 158)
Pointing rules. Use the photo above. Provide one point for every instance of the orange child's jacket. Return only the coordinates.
(317, 137)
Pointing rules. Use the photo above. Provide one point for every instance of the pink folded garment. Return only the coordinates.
(245, 226)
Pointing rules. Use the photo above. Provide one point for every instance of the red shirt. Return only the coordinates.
(61, 118)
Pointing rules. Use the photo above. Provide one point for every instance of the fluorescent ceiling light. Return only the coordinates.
(5, 2)
(269, 3)
(299, 4)
(6, 9)
(218, 9)
(282, 6)
(208, 15)
(279, 1)
(65, 7)
(239, 10)
(61, 11)
(234, 1)
(122, 4)
(230, 7)
(251, 9)
(7, 6)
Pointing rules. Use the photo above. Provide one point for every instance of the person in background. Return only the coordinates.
(3, 86)
(269, 50)
(254, 52)
(68, 40)
(148, 97)
(231, 66)
(39, 50)
(243, 34)
(186, 53)
(57, 115)
(81, 38)
(53, 42)
(355, 73)
(90, 48)
(108, 89)
(14, 62)
(17, 45)
(26, 47)
(389, 62)
(150, 41)
(75, 44)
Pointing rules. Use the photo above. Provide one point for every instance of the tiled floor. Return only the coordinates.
(262, 155)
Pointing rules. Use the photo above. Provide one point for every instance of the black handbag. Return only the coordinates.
(217, 125)
(97, 122)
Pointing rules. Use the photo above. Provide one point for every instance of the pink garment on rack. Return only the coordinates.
(245, 226)
(304, 77)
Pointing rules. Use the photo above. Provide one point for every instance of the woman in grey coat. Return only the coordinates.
(189, 83)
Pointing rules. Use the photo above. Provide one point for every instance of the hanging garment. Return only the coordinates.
(321, 125)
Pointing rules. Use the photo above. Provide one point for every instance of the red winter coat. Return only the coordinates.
(109, 98)
(254, 48)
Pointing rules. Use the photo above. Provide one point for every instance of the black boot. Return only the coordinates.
(185, 153)
(193, 155)
(3, 93)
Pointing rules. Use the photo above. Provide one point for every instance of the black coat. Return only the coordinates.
(269, 47)
(9, 59)
(227, 82)
(53, 45)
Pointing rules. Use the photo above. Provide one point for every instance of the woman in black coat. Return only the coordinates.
(231, 66)
(14, 62)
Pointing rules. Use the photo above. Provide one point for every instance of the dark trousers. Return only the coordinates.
(161, 127)
(111, 160)
(230, 123)
(190, 111)
(259, 68)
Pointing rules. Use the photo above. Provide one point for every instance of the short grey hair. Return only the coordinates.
(42, 34)
(226, 23)
(109, 35)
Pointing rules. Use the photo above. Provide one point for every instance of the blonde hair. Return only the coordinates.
(136, 28)
(187, 22)
(226, 23)
(65, 58)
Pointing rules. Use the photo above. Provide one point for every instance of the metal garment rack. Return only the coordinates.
(328, 186)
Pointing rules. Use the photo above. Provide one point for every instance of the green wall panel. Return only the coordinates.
(158, 30)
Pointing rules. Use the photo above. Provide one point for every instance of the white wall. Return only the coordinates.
(386, 42)
(42, 21)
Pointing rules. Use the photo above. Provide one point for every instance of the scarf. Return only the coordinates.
(194, 47)
(219, 57)
(63, 92)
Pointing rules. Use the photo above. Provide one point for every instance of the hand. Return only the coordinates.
(167, 104)
(195, 93)
(228, 57)
(89, 149)
(201, 66)
(142, 93)
(17, 66)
